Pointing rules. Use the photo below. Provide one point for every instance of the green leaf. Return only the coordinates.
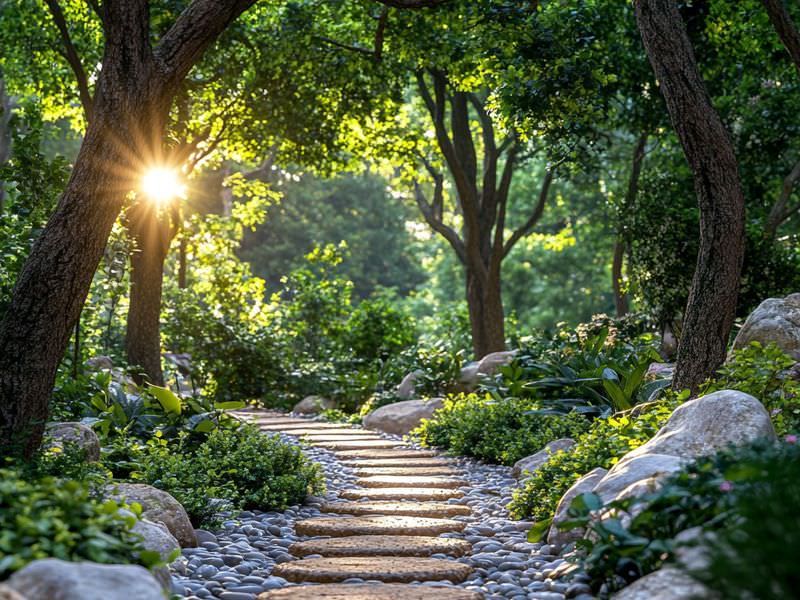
(232, 405)
(168, 400)
(539, 529)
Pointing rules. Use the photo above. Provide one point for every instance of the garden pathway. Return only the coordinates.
(388, 534)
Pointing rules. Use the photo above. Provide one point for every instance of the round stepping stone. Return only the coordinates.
(359, 444)
(386, 453)
(376, 525)
(370, 591)
(386, 569)
(388, 481)
(411, 509)
(408, 471)
(382, 545)
(398, 462)
(401, 494)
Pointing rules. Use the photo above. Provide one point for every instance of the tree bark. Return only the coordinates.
(785, 28)
(620, 297)
(709, 150)
(486, 316)
(132, 99)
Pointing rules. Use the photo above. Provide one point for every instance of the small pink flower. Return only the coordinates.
(725, 486)
(791, 439)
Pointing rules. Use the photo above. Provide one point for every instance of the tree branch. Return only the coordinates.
(429, 211)
(528, 226)
(785, 28)
(71, 54)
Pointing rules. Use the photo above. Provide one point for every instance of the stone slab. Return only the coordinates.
(378, 444)
(338, 437)
(377, 453)
(401, 494)
(370, 591)
(376, 525)
(385, 569)
(430, 461)
(382, 545)
(435, 471)
(392, 481)
(305, 424)
(411, 509)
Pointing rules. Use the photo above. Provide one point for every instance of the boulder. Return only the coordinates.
(7, 593)
(630, 471)
(313, 405)
(160, 507)
(585, 484)
(776, 321)
(709, 423)
(471, 373)
(99, 363)
(157, 538)
(668, 583)
(530, 463)
(54, 579)
(407, 387)
(401, 417)
(77, 433)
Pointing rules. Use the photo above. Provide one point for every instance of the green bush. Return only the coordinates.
(497, 431)
(602, 446)
(59, 518)
(244, 468)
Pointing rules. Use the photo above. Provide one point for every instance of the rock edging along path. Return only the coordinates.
(439, 531)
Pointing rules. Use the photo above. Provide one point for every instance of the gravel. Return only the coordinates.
(236, 561)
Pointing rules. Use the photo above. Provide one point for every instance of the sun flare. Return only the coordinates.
(162, 185)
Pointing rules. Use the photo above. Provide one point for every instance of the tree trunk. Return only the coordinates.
(182, 262)
(785, 28)
(712, 300)
(486, 318)
(620, 297)
(143, 333)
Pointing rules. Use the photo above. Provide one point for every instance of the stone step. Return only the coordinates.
(339, 437)
(433, 461)
(376, 525)
(294, 429)
(386, 453)
(400, 494)
(394, 481)
(385, 569)
(435, 471)
(382, 545)
(379, 444)
(370, 591)
(411, 509)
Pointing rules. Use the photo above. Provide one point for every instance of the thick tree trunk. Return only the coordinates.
(486, 318)
(143, 333)
(785, 28)
(712, 300)
(620, 297)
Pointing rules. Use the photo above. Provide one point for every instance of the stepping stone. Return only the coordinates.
(411, 509)
(401, 494)
(370, 591)
(376, 525)
(386, 569)
(408, 471)
(389, 481)
(339, 437)
(305, 425)
(360, 445)
(382, 545)
(386, 453)
(399, 462)
(313, 433)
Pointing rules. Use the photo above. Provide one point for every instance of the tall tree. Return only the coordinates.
(709, 150)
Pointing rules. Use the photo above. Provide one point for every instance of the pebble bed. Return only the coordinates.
(235, 562)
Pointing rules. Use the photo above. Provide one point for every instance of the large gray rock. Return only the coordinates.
(530, 463)
(401, 417)
(710, 423)
(54, 579)
(584, 485)
(668, 583)
(160, 507)
(407, 388)
(77, 433)
(775, 320)
(313, 405)
(472, 373)
(629, 471)
(157, 538)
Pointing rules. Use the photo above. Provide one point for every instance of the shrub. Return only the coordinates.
(498, 431)
(244, 468)
(50, 517)
(602, 446)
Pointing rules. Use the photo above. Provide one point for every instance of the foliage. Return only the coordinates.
(501, 431)
(59, 518)
(602, 446)
(243, 468)
(740, 491)
(765, 373)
